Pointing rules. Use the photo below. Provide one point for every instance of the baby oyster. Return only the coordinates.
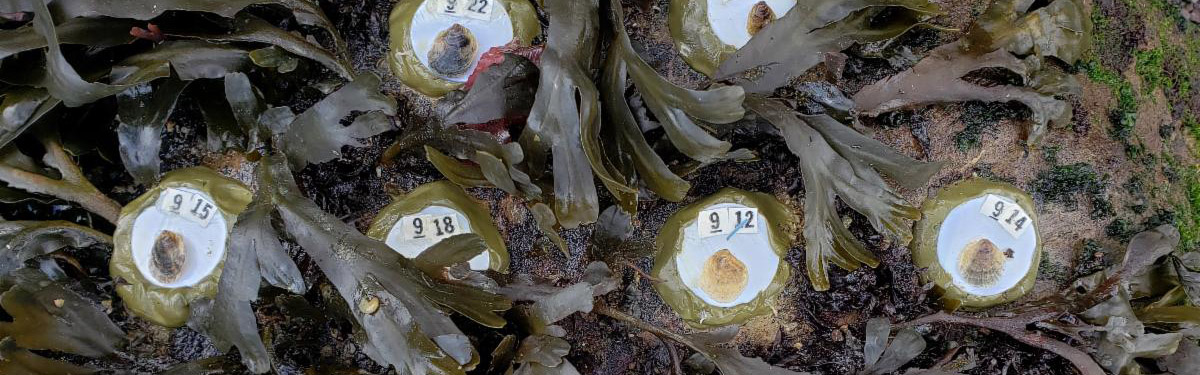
(706, 32)
(169, 245)
(168, 256)
(724, 276)
(453, 51)
(760, 15)
(721, 258)
(435, 45)
(434, 212)
(979, 243)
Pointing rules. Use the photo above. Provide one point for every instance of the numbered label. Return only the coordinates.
(429, 226)
(1007, 213)
(476, 9)
(727, 221)
(190, 206)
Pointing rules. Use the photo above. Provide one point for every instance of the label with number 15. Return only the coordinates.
(191, 206)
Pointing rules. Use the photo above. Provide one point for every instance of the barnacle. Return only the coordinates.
(721, 258)
(435, 45)
(979, 242)
(169, 247)
(434, 212)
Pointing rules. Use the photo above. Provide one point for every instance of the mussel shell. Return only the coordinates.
(453, 51)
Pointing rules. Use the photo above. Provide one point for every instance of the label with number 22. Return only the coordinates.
(477, 9)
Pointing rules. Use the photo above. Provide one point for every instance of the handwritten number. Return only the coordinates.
(419, 226)
(478, 6)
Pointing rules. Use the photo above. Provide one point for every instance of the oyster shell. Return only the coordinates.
(453, 51)
(723, 276)
(168, 256)
(760, 16)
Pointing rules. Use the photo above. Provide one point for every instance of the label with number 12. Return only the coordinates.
(727, 221)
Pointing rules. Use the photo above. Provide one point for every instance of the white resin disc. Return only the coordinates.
(752, 249)
(426, 24)
(410, 248)
(205, 245)
(966, 224)
(729, 18)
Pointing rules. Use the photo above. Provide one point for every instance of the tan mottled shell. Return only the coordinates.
(453, 50)
(168, 256)
(724, 276)
(760, 15)
(981, 263)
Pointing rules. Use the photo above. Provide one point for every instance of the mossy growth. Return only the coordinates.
(979, 118)
(1063, 183)
(1092, 257)
(1188, 217)
(1149, 66)
(1192, 126)
(1120, 229)
(1124, 115)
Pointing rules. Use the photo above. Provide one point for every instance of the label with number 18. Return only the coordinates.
(429, 226)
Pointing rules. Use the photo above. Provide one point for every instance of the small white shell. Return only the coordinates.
(369, 305)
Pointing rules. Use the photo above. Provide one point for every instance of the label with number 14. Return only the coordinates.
(1007, 213)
